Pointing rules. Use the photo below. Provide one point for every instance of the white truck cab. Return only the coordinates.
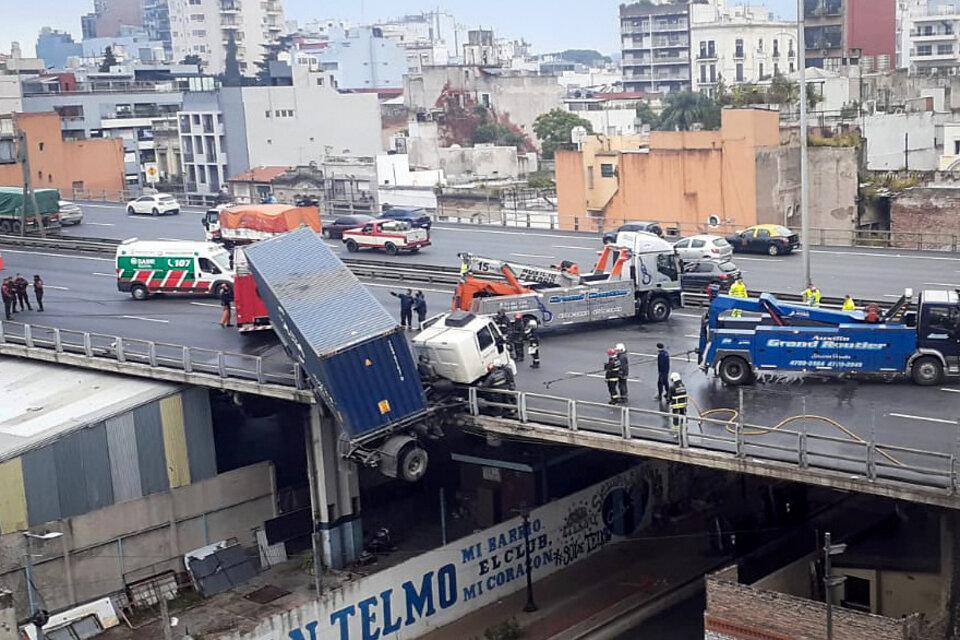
(461, 347)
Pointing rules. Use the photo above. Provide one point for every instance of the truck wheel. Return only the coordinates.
(139, 292)
(773, 250)
(390, 248)
(735, 371)
(658, 310)
(352, 246)
(327, 234)
(5, 227)
(412, 463)
(927, 371)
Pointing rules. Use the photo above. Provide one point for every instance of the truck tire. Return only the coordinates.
(412, 463)
(658, 309)
(139, 292)
(927, 371)
(352, 246)
(390, 248)
(735, 371)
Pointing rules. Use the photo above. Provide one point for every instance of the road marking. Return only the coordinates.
(100, 224)
(57, 255)
(103, 206)
(950, 390)
(174, 239)
(108, 275)
(530, 255)
(205, 304)
(892, 295)
(333, 246)
(687, 315)
(145, 319)
(568, 246)
(53, 286)
(654, 355)
(393, 286)
(692, 335)
(739, 258)
(942, 284)
(907, 416)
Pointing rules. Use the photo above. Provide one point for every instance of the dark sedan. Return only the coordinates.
(336, 228)
(772, 239)
(414, 217)
(650, 227)
(699, 274)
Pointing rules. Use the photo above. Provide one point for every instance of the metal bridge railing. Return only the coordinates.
(120, 350)
(797, 448)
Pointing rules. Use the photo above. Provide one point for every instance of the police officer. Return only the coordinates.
(534, 341)
(848, 303)
(611, 373)
(420, 306)
(738, 290)
(663, 371)
(678, 399)
(517, 334)
(624, 360)
(406, 307)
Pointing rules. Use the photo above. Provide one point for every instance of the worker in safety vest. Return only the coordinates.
(611, 373)
(811, 296)
(848, 303)
(738, 290)
(534, 341)
(678, 399)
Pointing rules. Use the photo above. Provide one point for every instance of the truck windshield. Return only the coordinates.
(222, 259)
(667, 265)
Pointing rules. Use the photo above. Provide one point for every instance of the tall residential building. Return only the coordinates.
(842, 32)
(202, 28)
(110, 16)
(656, 46)
(930, 37)
(741, 44)
(54, 47)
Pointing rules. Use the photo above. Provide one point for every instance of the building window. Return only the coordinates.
(197, 17)
(713, 73)
(712, 49)
(739, 72)
(606, 171)
(266, 113)
(944, 49)
(739, 48)
(703, 49)
(703, 73)
(196, 2)
(761, 71)
(40, 146)
(760, 45)
(956, 147)
(776, 69)
(590, 177)
(924, 50)
(792, 68)
(776, 48)
(319, 81)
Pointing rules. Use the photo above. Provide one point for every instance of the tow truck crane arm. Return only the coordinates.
(526, 273)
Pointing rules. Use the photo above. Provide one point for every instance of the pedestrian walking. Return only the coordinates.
(406, 307)
(738, 290)
(38, 291)
(811, 296)
(20, 286)
(624, 360)
(663, 371)
(678, 399)
(848, 303)
(420, 306)
(226, 303)
(9, 296)
(611, 373)
(533, 340)
(517, 335)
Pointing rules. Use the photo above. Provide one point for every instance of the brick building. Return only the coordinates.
(926, 217)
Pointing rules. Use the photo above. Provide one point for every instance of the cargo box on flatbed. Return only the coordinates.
(349, 345)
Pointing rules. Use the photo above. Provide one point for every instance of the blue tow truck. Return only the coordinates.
(922, 343)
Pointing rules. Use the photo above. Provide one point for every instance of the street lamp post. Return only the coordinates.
(804, 212)
(531, 606)
(829, 582)
(37, 615)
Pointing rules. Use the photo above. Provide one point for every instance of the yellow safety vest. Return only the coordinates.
(738, 290)
(849, 305)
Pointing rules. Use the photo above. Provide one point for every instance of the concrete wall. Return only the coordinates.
(97, 164)
(101, 551)
(926, 210)
(10, 97)
(481, 161)
(904, 140)
(363, 61)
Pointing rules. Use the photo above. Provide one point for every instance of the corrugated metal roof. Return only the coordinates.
(319, 294)
(42, 402)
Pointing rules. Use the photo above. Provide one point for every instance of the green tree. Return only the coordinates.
(553, 129)
(231, 66)
(193, 59)
(109, 60)
(782, 91)
(646, 115)
(685, 108)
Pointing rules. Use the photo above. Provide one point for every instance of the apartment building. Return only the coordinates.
(929, 41)
(842, 32)
(432, 37)
(655, 41)
(110, 17)
(358, 57)
(742, 44)
(203, 28)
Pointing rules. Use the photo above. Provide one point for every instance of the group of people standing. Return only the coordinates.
(670, 387)
(411, 303)
(15, 292)
(522, 337)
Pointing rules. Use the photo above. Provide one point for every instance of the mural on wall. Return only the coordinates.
(447, 583)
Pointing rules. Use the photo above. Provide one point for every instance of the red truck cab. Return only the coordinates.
(251, 312)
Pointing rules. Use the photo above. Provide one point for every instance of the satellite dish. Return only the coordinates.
(578, 135)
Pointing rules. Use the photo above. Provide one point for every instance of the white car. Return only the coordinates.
(70, 213)
(155, 204)
(703, 246)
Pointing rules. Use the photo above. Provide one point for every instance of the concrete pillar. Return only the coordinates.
(334, 492)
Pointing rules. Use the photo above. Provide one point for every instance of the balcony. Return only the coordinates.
(670, 61)
(227, 6)
(707, 55)
(663, 27)
(68, 123)
(933, 37)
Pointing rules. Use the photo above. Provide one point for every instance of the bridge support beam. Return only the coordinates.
(334, 493)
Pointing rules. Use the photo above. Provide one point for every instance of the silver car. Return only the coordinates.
(703, 246)
(70, 213)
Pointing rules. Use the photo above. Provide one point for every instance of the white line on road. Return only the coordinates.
(597, 375)
(100, 224)
(570, 246)
(145, 319)
(530, 255)
(653, 355)
(950, 390)
(205, 304)
(885, 255)
(687, 315)
(57, 255)
(393, 286)
(907, 416)
(739, 258)
(889, 295)
(180, 239)
(108, 275)
(691, 335)
(103, 206)
(53, 286)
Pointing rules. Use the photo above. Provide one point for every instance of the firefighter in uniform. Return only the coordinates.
(611, 373)
(624, 370)
(517, 335)
(678, 400)
(534, 341)
(738, 290)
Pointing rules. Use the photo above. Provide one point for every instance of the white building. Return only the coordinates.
(422, 31)
(928, 36)
(611, 114)
(740, 44)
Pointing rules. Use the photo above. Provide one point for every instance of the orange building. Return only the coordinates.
(691, 180)
(71, 166)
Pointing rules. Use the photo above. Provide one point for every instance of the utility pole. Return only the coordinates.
(829, 582)
(906, 152)
(804, 211)
(23, 157)
(531, 606)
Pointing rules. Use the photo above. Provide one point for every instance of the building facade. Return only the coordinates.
(359, 58)
(841, 32)
(432, 33)
(743, 44)
(655, 40)
(110, 17)
(54, 47)
(930, 38)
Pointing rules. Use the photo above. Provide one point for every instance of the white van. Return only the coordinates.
(145, 267)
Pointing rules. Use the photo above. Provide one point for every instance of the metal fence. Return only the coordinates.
(795, 448)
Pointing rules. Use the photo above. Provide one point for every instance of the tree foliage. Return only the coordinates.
(109, 60)
(647, 116)
(231, 66)
(553, 129)
(686, 108)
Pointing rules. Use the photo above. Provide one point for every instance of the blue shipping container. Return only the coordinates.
(348, 344)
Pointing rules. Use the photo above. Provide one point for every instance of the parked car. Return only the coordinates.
(703, 246)
(699, 274)
(155, 204)
(336, 228)
(70, 213)
(650, 227)
(392, 236)
(414, 217)
(772, 239)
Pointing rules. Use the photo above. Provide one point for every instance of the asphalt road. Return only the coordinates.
(864, 273)
(82, 295)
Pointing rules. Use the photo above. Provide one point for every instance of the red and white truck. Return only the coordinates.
(392, 236)
(237, 225)
(252, 313)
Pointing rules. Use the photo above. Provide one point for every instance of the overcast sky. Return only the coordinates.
(548, 25)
